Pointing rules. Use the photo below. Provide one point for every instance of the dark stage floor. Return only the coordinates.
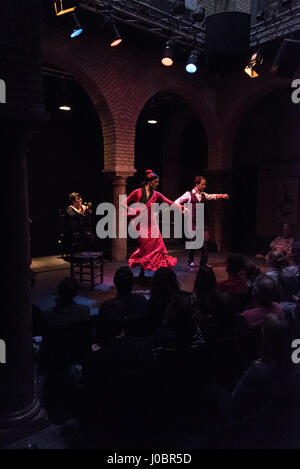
(50, 270)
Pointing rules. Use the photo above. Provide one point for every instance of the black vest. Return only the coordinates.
(195, 201)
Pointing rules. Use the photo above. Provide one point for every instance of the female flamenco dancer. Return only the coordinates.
(151, 252)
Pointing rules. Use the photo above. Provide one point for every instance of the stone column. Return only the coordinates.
(20, 115)
(118, 179)
(17, 402)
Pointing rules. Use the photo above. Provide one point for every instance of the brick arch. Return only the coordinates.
(143, 92)
(234, 118)
(59, 52)
(139, 93)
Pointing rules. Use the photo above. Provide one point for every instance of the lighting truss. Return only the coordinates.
(185, 32)
(142, 15)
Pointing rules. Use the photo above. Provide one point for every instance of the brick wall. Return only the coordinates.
(120, 82)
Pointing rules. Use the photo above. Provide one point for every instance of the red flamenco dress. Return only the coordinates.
(151, 253)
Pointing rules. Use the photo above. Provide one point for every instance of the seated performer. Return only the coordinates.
(151, 253)
(78, 215)
(195, 196)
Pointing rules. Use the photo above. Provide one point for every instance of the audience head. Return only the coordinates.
(123, 280)
(67, 289)
(234, 264)
(288, 284)
(205, 282)
(276, 341)
(277, 260)
(264, 291)
(224, 307)
(181, 316)
(111, 320)
(251, 271)
(164, 284)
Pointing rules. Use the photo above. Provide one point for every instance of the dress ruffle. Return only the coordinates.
(152, 261)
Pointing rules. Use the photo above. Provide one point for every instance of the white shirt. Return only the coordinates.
(83, 209)
(186, 197)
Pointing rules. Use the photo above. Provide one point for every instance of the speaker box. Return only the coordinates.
(227, 33)
(287, 59)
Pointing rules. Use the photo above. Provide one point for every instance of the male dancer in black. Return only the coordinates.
(195, 196)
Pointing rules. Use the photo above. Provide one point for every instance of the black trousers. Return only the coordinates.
(203, 254)
(203, 251)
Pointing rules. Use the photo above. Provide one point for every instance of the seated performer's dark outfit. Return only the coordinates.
(77, 228)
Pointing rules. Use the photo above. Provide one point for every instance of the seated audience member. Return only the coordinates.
(288, 288)
(264, 290)
(268, 379)
(182, 366)
(113, 344)
(164, 288)
(180, 329)
(251, 272)
(114, 387)
(205, 288)
(236, 283)
(284, 242)
(66, 310)
(224, 321)
(67, 334)
(278, 262)
(295, 269)
(135, 305)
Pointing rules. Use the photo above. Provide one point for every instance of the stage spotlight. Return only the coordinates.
(114, 35)
(65, 107)
(253, 67)
(168, 56)
(64, 99)
(73, 25)
(191, 66)
(179, 7)
(198, 14)
(63, 6)
(152, 113)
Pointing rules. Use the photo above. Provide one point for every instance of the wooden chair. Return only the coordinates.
(87, 266)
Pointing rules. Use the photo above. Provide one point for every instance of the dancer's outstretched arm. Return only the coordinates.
(161, 198)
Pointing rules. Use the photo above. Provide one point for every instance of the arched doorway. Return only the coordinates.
(171, 140)
(66, 155)
(264, 151)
